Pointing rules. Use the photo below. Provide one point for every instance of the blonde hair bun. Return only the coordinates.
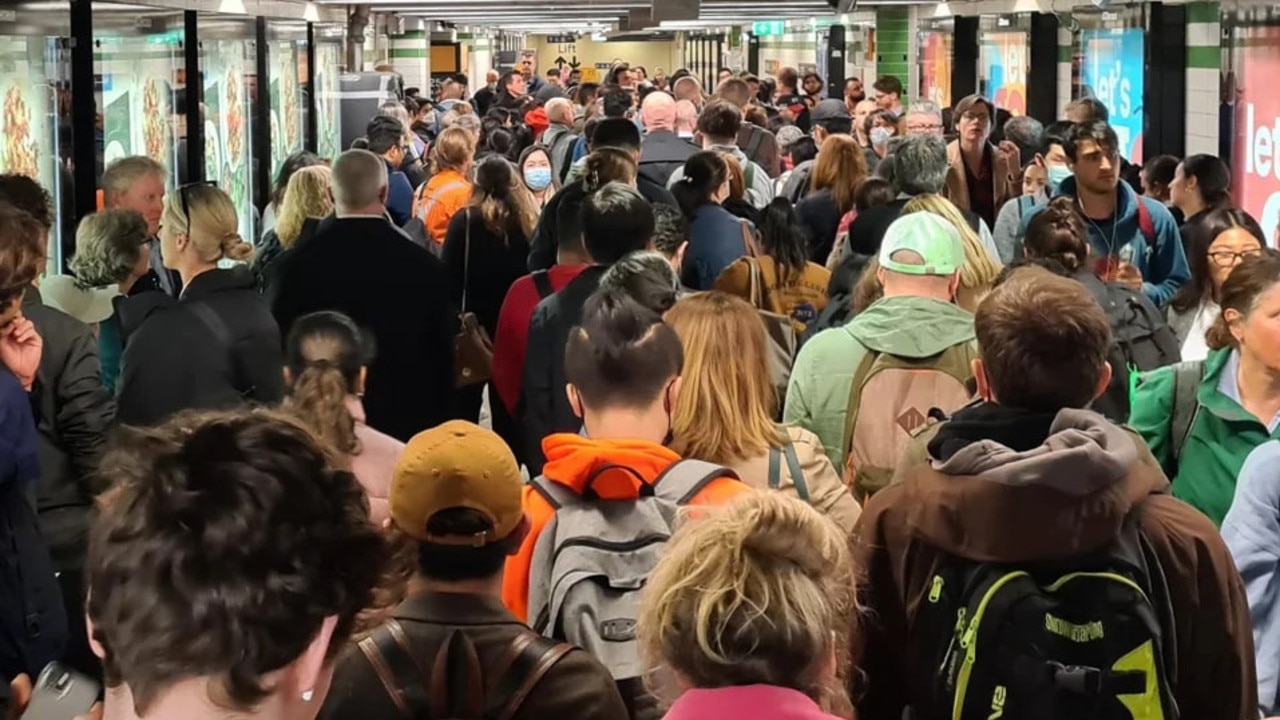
(235, 248)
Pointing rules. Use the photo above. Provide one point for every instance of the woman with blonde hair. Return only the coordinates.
(307, 200)
(748, 612)
(607, 165)
(837, 174)
(215, 347)
(981, 268)
(487, 249)
(449, 189)
(727, 409)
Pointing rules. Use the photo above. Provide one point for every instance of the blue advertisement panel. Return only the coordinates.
(1112, 72)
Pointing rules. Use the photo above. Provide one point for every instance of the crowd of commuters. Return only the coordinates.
(643, 399)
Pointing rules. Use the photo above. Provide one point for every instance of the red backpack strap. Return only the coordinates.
(1145, 224)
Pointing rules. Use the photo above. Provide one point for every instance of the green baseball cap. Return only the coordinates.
(930, 236)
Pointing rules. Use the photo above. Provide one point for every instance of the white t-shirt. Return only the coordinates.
(1195, 347)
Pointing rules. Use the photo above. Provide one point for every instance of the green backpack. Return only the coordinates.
(1086, 637)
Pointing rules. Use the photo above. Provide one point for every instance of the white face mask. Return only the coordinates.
(880, 136)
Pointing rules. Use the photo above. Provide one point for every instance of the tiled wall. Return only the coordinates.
(893, 44)
(790, 50)
(1066, 51)
(410, 58)
(1203, 60)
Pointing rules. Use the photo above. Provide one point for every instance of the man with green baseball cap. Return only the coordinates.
(866, 387)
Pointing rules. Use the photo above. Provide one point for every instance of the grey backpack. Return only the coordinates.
(592, 559)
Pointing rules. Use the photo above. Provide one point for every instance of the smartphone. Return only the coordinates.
(61, 693)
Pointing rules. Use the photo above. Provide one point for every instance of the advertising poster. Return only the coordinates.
(1112, 72)
(138, 98)
(25, 92)
(935, 67)
(1255, 149)
(226, 128)
(1004, 62)
(328, 120)
(286, 100)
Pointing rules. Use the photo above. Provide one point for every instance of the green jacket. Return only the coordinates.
(818, 393)
(1222, 437)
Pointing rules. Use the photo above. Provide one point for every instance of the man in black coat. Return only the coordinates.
(614, 221)
(361, 265)
(615, 133)
(662, 151)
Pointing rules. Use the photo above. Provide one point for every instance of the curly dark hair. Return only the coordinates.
(28, 196)
(225, 541)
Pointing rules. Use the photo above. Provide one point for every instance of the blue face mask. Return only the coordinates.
(537, 178)
(1057, 173)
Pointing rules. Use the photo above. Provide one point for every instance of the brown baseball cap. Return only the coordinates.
(457, 465)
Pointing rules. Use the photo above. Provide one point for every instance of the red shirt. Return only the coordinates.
(511, 339)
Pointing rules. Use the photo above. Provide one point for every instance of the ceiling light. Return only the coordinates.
(943, 10)
(232, 7)
(311, 13)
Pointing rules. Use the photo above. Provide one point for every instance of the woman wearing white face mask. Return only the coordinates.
(535, 169)
(880, 127)
(1050, 163)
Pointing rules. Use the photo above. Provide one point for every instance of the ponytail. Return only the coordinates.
(318, 397)
(704, 173)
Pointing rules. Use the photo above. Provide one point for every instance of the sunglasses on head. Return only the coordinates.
(182, 195)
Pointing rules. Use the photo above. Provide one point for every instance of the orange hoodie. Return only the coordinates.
(571, 460)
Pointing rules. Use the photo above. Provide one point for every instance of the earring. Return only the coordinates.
(307, 695)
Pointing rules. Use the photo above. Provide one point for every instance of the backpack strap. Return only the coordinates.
(542, 281)
(532, 656)
(1187, 377)
(387, 650)
(797, 473)
(216, 325)
(684, 479)
(855, 396)
(556, 495)
(749, 174)
(753, 145)
(1145, 224)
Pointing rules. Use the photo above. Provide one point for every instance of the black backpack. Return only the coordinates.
(1087, 637)
(1141, 341)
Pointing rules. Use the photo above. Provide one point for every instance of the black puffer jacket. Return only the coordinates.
(73, 412)
(216, 347)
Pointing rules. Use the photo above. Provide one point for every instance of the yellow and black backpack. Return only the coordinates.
(1088, 637)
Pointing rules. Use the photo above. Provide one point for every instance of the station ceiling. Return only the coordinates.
(584, 16)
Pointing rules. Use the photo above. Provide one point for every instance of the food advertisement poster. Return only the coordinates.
(1004, 60)
(1112, 71)
(286, 104)
(26, 146)
(138, 100)
(328, 120)
(1255, 149)
(227, 141)
(935, 67)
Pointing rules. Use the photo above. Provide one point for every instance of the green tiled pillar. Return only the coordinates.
(893, 45)
(1204, 55)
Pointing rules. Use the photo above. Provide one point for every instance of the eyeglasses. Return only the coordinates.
(182, 195)
(1227, 258)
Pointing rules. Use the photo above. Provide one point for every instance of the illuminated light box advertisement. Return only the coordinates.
(1112, 73)
(1004, 64)
(1255, 150)
(935, 67)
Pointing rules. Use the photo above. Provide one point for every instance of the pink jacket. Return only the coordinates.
(375, 463)
(746, 702)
